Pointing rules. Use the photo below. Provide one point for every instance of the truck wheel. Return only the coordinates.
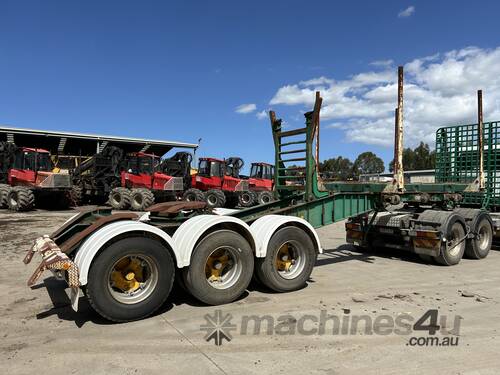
(119, 198)
(479, 246)
(192, 195)
(130, 279)
(289, 260)
(215, 198)
(265, 197)
(4, 194)
(21, 199)
(247, 199)
(453, 249)
(76, 195)
(141, 199)
(221, 268)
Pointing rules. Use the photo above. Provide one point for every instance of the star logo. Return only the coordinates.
(218, 327)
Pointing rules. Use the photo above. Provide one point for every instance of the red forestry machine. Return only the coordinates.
(26, 177)
(132, 181)
(218, 182)
(260, 184)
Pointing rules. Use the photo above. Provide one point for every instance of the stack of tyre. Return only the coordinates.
(121, 198)
(217, 198)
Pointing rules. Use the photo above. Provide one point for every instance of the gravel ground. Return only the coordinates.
(40, 332)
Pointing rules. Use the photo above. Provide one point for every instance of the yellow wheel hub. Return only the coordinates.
(284, 259)
(127, 275)
(216, 263)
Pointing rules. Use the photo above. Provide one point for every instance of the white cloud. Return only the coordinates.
(407, 12)
(261, 115)
(439, 90)
(246, 108)
(382, 63)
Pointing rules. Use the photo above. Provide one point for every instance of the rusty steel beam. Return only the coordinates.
(398, 136)
(396, 149)
(316, 127)
(480, 131)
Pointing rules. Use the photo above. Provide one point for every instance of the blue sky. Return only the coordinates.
(178, 70)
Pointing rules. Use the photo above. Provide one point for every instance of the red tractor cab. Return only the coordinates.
(143, 181)
(26, 174)
(142, 172)
(261, 183)
(217, 182)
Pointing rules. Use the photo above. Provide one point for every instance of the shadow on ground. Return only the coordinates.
(349, 252)
(56, 290)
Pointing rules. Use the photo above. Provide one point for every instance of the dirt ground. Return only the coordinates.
(41, 333)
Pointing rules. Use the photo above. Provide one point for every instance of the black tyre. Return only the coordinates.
(289, 260)
(4, 195)
(119, 198)
(140, 199)
(479, 246)
(215, 198)
(130, 279)
(452, 250)
(221, 268)
(76, 195)
(192, 195)
(247, 198)
(21, 199)
(264, 197)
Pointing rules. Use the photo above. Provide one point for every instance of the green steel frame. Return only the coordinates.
(457, 161)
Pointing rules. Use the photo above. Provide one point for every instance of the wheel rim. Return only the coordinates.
(223, 267)
(212, 200)
(190, 197)
(245, 198)
(453, 244)
(132, 279)
(483, 236)
(266, 199)
(290, 260)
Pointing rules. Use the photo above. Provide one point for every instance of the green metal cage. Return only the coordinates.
(457, 161)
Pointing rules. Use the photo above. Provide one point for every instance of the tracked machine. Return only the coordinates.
(126, 263)
(27, 180)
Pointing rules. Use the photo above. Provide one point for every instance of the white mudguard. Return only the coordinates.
(264, 228)
(188, 234)
(91, 246)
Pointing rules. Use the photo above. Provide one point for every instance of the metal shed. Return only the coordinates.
(67, 143)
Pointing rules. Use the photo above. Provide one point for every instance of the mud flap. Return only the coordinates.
(74, 295)
(55, 260)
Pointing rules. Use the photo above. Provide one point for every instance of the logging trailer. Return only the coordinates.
(126, 263)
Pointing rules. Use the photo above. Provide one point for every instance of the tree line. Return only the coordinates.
(340, 168)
